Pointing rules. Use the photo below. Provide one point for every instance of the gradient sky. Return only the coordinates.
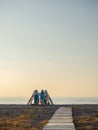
(49, 44)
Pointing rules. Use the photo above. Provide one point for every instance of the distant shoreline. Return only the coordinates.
(56, 100)
(50, 105)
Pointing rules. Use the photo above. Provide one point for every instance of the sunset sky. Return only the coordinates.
(49, 44)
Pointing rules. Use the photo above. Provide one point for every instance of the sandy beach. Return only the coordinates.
(85, 117)
(23, 117)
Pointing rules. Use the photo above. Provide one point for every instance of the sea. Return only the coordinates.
(56, 100)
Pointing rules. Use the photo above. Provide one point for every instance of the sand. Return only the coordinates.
(24, 117)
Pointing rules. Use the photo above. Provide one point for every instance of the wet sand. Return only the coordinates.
(24, 117)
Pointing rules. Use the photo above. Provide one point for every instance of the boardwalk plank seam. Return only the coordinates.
(61, 120)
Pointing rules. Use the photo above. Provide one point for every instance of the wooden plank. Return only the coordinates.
(61, 120)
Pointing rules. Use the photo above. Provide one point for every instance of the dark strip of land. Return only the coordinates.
(24, 117)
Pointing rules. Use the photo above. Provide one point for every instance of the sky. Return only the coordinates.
(49, 44)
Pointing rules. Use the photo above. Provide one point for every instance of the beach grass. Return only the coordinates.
(24, 117)
(14, 117)
(85, 117)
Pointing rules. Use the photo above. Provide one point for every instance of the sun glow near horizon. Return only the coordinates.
(49, 45)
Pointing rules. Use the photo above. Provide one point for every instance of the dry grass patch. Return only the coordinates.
(85, 117)
(25, 117)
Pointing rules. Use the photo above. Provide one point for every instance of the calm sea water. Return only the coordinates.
(59, 100)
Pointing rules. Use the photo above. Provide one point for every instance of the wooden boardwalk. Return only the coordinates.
(61, 120)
